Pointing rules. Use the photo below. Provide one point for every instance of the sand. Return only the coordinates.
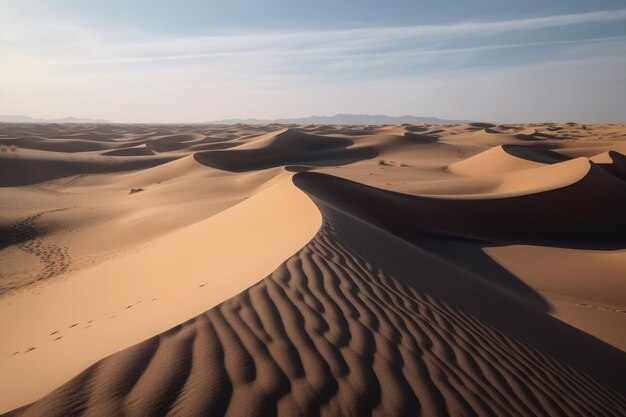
(312, 270)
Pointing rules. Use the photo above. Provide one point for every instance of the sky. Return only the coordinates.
(195, 61)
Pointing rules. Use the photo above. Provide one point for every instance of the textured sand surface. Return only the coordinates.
(313, 270)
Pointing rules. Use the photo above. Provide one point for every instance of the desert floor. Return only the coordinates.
(180, 270)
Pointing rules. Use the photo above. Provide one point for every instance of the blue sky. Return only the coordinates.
(164, 61)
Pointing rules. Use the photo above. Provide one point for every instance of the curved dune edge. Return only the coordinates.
(139, 150)
(530, 181)
(358, 322)
(128, 299)
(493, 161)
(516, 171)
(598, 154)
(599, 199)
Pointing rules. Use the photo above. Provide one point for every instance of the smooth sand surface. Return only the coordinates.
(313, 270)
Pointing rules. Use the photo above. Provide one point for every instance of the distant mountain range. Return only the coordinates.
(17, 118)
(338, 119)
(345, 119)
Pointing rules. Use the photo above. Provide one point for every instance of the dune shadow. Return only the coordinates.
(422, 138)
(617, 167)
(538, 136)
(481, 125)
(585, 215)
(471, 257)
(16, 172)
(535, 153)
(458, 230)
(298, 168)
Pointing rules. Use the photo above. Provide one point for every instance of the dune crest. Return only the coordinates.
(504, 159)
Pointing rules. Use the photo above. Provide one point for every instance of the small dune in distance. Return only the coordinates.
(347, 265)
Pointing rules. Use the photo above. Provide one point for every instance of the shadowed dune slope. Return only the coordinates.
(56, 145)
(422, 138)
(614, 162)
(28, 167)
(358, 322)
(285, 147)
(534, 153)
(599, 198)
(140, 150)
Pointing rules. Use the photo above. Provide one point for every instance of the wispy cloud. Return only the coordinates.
(354, 39)
(44, 59)
(76, 44)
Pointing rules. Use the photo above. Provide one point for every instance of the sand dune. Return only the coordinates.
(27, 167)
(504, 159)
(313, 270)
(139, 150)
(286, 146)
(600, 197)
(612, 161)
(533, 179)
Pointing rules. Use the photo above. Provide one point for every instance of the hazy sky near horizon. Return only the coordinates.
(193, 61)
